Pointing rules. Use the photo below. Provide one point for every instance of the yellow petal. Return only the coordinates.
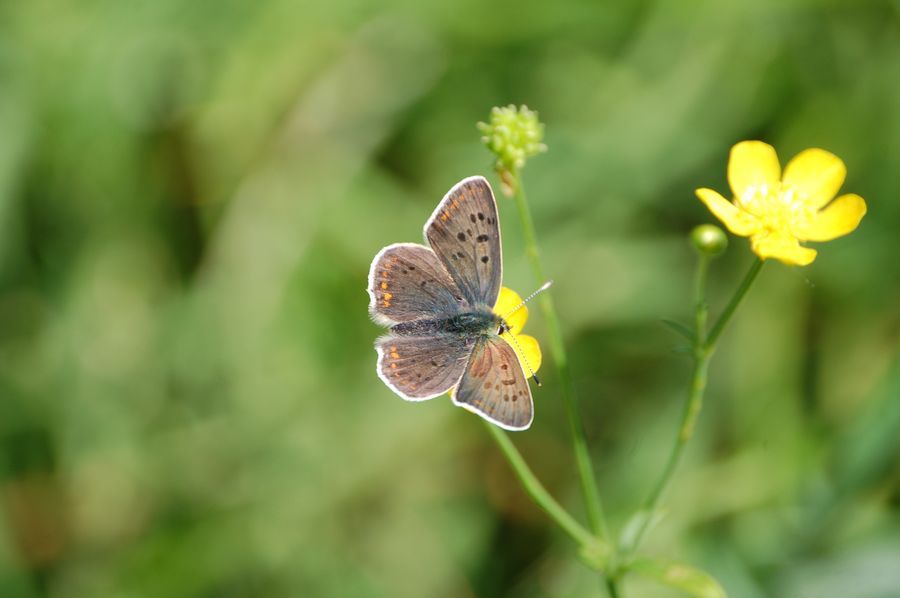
(839, 218)
(753, 168)
(507, 301)
(735, 219)
(528, 350)
(815, 176)
(784, 248)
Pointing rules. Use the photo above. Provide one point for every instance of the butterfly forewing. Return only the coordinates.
(465, 235)
(407, 282)
(419, 368)
(494, 385)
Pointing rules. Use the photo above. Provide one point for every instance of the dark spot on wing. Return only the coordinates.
(469, 231)
(482, 238)
(461, 236)
(504, 366)
(484, 259)
(480, 216)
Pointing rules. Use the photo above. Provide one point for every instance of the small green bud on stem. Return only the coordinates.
(513, 135)
(709, 239)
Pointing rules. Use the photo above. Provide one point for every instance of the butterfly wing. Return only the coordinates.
(465, 235)
(420, 368)
(407, 282)
(494, 385)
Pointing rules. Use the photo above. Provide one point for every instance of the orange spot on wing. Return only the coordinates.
(388, 296)
(384, 285)
(393, 366)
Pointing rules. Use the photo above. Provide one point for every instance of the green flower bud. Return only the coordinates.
(513, 135)
(709, 239)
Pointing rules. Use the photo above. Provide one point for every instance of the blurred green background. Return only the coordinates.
(191, 194)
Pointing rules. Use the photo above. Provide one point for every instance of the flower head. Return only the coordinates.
(779, 211)
(513, 135)
(526, 347)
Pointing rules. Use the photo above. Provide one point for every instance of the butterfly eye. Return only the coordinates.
(503, 327)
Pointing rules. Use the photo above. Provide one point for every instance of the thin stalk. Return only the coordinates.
(612, 586)
(593, 507)
(704, 347)
(720, 324)
(537, 492)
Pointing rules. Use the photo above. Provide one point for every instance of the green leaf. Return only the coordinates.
(680, 329)
(677, 575)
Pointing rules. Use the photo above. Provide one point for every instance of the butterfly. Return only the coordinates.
(437, 300)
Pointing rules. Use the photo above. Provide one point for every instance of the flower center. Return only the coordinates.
(779, 208)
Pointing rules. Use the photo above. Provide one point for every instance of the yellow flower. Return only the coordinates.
(527, 347)
(778, 212)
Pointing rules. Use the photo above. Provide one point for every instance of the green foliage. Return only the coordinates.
(677, 575)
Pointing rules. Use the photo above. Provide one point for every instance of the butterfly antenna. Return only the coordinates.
(543, 288)
(520, 351)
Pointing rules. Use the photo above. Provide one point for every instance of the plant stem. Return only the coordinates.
(537, 492)
(720, 324)
(593, 507)
(704, 347)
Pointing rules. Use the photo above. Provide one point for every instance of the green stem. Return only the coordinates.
(720, 324)
(537, 492)
(704, 347)
(557, 349)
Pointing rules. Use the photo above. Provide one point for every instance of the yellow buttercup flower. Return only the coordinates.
(779, 211)
(527, 347)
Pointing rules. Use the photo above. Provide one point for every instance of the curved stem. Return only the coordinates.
(720, 324)
(704, 347)
(537, 492)
(557, 348)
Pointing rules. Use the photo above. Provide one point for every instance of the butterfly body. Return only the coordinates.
(438, 300)
(470, 324)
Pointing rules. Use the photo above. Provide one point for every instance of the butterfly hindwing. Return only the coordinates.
(494, 385)
(407, 282)
(420, 368)
(465, 235)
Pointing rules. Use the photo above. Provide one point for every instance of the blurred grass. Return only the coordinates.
(191, 193)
